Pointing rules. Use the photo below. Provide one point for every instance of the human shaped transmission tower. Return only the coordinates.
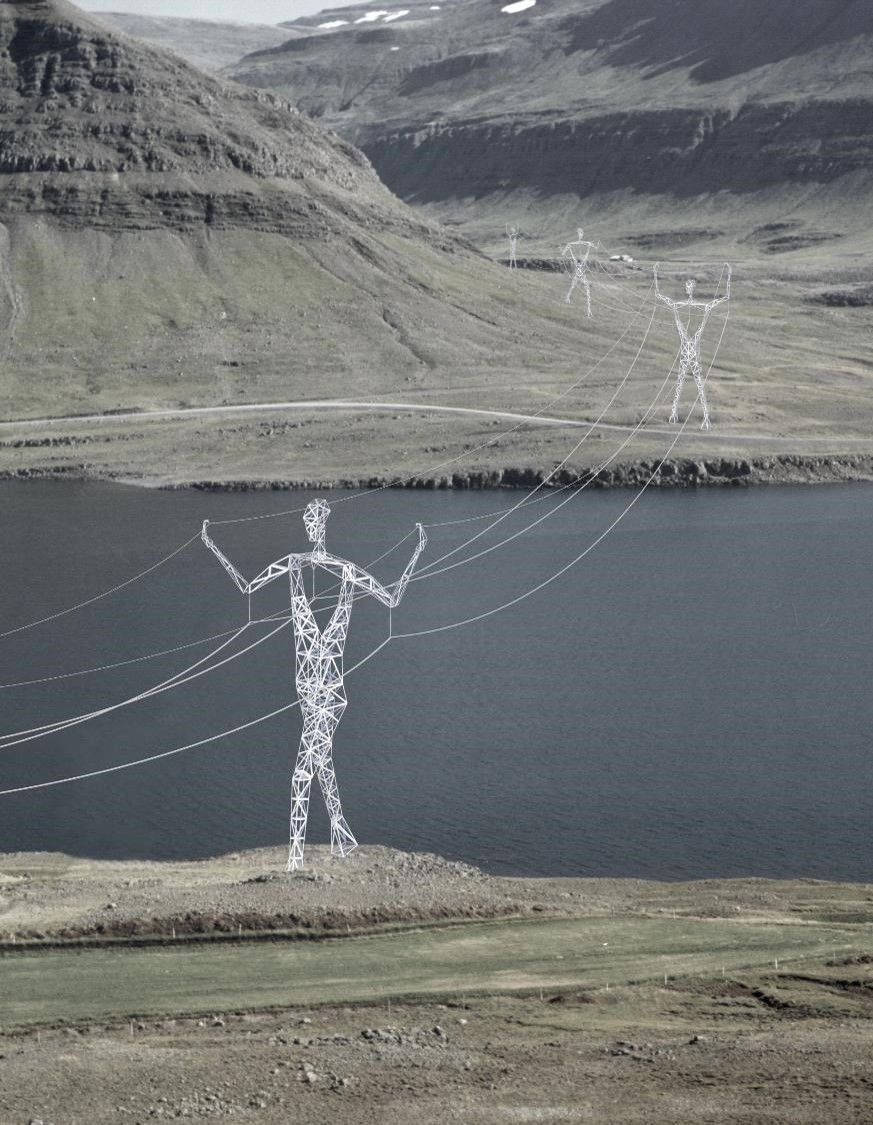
(575, 258)
(319, 669)
(512, 235)
(689, 344)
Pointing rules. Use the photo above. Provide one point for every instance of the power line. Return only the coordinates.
(158, 689)
(104, 594)
(579, 557)
(461, 456)
(179, 749)
(429, 569)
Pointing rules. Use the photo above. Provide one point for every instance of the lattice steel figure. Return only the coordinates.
(689, 345)
(319, 669)
(575, 258)
(512, 235)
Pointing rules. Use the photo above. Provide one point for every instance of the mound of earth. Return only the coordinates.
(46, 896)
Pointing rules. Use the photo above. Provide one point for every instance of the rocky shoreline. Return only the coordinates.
(672, 473)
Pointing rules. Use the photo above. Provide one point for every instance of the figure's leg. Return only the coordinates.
(587, 285)
(573, 281)
(701, 390)
(677, 392)
(341, 839)
(304, 770)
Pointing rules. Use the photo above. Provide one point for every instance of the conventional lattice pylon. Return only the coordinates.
(689, 342)
(319, 665)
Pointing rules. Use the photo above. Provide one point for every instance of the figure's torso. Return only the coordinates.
(319, 652)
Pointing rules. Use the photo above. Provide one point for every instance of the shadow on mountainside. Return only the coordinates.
(717, 40)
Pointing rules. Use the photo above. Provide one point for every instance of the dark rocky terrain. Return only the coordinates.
(674, 122)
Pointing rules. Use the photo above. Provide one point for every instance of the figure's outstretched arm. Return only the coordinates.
(274, 570)
(391, 595)
(238, 579)
(727, 288)
(658, 292)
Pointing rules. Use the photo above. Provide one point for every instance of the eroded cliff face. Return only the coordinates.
(678, 151)
(463, 103)
(170, 238)
(96, 128)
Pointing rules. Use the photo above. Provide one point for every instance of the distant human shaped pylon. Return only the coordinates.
(319, 665)
(689, 342)
(575, 258)
(512, 235)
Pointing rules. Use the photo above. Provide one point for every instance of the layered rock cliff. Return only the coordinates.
(669, 100)
(98, 129)
(167, 238)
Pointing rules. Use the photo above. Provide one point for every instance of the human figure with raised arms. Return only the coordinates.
(689, 343)
(512, 235)
(319, 668)
(575, 257)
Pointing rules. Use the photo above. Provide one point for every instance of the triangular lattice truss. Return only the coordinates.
(689, 342)
(575, 259)
(319, 666)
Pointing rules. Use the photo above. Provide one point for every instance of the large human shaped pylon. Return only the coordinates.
(575, 258)
(689, 343)
(319, 667)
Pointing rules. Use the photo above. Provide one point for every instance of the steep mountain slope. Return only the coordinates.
(645, 110)
(170, 239)
(208, 44)
(135, 137)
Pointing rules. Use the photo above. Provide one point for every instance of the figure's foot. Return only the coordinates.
(673, 420)
(704, 425)
(341, 839)
(295, 859)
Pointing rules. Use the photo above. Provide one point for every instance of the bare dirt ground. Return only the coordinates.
(700, 1050)
(757, 1041)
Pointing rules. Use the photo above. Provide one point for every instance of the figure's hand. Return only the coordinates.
(203, 535)
(422, 538)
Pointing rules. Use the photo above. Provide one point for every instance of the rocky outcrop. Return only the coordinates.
(169, 238)
(100, 130)
(670, 473)
(680, 152)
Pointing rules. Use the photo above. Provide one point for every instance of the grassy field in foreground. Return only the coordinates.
(490, 957)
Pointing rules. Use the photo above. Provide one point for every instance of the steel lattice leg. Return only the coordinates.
(341, 839)
(677, 393)
(300, 783)
(698, 379)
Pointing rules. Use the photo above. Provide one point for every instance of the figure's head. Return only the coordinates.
(689, 287)
(314, 520)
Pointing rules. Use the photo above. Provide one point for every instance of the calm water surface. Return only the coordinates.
(692, 699)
